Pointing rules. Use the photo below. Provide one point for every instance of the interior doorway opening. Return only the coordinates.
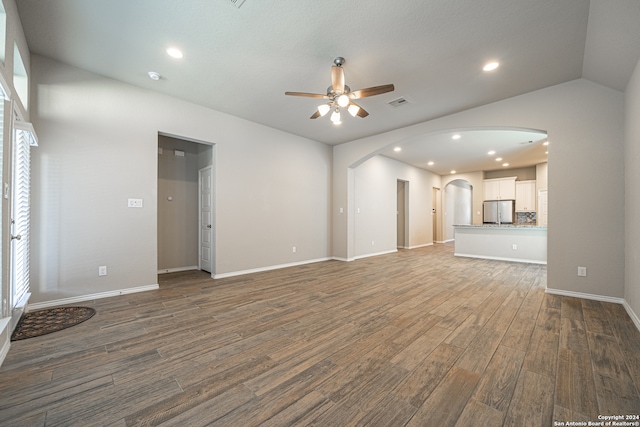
(458, 200)
(183, 231)
(402, 214)
(436, 216)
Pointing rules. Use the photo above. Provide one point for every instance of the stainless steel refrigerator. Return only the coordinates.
(499, 211)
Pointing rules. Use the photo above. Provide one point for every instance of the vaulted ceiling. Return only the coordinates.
(241, 60)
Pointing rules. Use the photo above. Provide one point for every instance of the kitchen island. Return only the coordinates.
(507, 242)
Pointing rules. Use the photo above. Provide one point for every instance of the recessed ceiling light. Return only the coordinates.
(498, 159)
(174, 53)
(397, 149)
(430, 164)
(505, 164)
(456, 136)
(491, 66)
(453, 172)
(154, 76)
(491, 153)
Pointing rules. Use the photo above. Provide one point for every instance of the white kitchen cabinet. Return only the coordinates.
(500, 189)
(526, 196)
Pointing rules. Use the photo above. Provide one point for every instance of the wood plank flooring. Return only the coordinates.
(415, 338)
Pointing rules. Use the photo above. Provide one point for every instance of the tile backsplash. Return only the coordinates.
(526, 218)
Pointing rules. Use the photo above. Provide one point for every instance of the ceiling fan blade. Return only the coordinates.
(308, 95)
(337, 79)
(361, 112)
(315, 115)
(371, 91)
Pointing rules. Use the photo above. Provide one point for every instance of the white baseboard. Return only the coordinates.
(584, 295)
(178, 269)
(630, 312)
(625, 304)
(271, 267)
(376, 254)
(6, 332)
(89, 297)
(419, 246)
(495, 258)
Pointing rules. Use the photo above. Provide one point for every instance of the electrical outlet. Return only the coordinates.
(373, 243)
(294, 250)
(582, 271)
(102, 270)
(514, 247)
(134, 203)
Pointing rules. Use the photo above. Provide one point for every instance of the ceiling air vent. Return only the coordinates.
(398, 102)
(237, 3)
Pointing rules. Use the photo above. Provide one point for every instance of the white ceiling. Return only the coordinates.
(241, 60)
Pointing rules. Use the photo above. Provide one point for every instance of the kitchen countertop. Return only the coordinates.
(521, 226)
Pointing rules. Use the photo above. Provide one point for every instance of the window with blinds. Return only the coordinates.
(24, 138)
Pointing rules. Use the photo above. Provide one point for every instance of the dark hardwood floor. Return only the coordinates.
(416, 338)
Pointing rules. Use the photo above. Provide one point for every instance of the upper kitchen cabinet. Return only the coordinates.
(526, 196)
(500, 189)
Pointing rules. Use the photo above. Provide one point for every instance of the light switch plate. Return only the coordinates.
(135, 203)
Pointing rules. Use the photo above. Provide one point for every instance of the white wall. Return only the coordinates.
(584, 122)
(632, 193)
(376, 202)
(457, 197)
(98, 147)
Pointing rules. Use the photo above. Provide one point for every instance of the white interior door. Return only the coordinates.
(206, 217)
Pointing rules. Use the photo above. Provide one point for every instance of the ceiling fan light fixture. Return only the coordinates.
(343, 100)
(340, 95)
(324, 109)
(335, 117)
(353, 109)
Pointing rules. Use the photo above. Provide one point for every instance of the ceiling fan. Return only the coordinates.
(341, 95)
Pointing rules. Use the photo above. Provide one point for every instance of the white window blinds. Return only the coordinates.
(21, 207)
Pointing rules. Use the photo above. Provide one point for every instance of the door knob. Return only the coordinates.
(18, 237)
(209, 226)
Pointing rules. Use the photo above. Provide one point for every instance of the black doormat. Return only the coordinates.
(42, 322)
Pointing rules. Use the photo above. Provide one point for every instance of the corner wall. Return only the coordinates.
(632, 195)
(99, 147)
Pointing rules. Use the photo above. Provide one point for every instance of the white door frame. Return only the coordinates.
(19, 258)
(208, 227)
